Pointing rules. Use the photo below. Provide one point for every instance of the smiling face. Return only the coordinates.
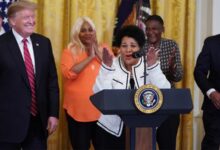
(24, 22)
(154, 31)
(86, 34)
(127, 47)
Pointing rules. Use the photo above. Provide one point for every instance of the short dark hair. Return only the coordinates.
(131, 31)
(155, 18)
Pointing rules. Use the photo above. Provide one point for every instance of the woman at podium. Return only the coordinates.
(127, 72)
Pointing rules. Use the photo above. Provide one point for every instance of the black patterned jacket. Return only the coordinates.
(170, 54)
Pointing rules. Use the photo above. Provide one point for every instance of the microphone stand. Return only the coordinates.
(145, 68)
(154, 130)
(139, 54)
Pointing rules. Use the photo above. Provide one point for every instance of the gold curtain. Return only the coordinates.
(179, 18)
(55, 18)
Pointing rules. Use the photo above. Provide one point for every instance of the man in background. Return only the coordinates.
(171, 66)
(207, 77)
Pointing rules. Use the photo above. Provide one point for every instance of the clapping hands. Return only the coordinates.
(171, 61)
(152, 56)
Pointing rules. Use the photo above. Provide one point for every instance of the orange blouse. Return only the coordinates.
(77, 88)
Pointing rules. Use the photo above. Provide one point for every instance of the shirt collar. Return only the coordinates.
(19, 38)
(2, 30)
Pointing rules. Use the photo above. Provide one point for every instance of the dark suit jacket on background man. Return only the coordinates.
(207, 76)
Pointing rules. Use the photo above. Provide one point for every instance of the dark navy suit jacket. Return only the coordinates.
(207, 69)
(15, 91)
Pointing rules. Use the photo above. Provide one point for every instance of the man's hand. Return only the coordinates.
(215, 98)
(152, 56)
(171, 61)
(52, 125)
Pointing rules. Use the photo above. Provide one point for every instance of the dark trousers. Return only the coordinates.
(166, 133)
(82, 133)
(211, 122)
(35, 139)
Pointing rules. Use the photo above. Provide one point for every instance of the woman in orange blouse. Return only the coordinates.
(80, 63)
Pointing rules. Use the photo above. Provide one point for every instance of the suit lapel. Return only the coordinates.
(16, 55)
(36, 49)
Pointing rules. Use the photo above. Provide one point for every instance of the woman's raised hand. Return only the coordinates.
(107, 58)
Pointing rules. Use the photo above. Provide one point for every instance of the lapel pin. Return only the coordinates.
(37, 44)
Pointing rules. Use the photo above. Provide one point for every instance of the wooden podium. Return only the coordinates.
(121, 102)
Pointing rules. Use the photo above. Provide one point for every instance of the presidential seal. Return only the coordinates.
(148, 99)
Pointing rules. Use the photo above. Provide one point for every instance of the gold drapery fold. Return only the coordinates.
(55, 18)
(179, 19)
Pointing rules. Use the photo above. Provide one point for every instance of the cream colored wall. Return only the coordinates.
(203, 29)
(215, 17)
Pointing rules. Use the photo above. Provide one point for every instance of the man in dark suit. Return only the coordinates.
(29, 93)
(207, 76)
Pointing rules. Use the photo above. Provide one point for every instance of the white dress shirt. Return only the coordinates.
(19, 39)
(2, 31)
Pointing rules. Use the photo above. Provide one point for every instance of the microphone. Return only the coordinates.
(139, 53)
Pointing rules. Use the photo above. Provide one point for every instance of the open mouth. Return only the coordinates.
(128, 56)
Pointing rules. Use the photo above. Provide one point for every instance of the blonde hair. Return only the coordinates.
(74, 35)
(20, 5)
